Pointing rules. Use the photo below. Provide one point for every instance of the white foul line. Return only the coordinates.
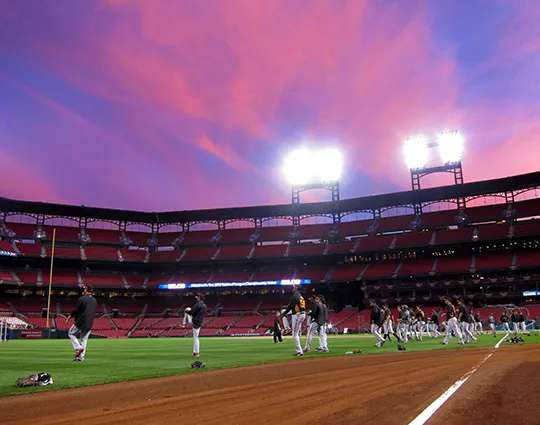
(423, 417)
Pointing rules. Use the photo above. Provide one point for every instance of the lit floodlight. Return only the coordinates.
(450, 146)
(303, 166)
(329, 165)
(416, 152)
(297, 166)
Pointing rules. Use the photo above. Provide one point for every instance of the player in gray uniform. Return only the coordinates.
(435, 323)
(491, 321)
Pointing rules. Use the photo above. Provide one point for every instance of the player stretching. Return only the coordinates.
(503, 320)
(376, 320)
(478, 320)
(451, 323)
(323, 329)
(387, 325)
(491, 321)
(298, 306)
(435, 323)
(522, 322)
(515, 320)
(195, 316)
(318, 324)
(83, 313)
(464, 318)
(419, 315)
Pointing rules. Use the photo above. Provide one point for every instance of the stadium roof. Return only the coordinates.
(509, 184)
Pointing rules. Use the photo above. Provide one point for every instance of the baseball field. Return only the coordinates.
(253, 380)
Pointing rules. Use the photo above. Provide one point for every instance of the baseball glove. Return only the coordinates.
(197, 365)
(401, 347)
(29, 381)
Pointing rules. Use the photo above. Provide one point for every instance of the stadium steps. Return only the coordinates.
(83, 253)
(326, 248)
(111, 321)
(184, 253)
(433, 239)
(79, 277)
(287, 250)
(120, 256)
(216, 254)
(355, 247)
(145, 282)
(146, 257)
(135, 326)
(250, 255)
(328, 275)
(396, 271)
(434, 267)
(43, 252)
(393, 243)
(359, 277)
(295, 272)
(13, 308)
(513, 264)
(510, 232)
(124, 281)
(473, 263)
(16, 278)
(251, 277)
(258, 306)
(145, 309)
(15, 247)
(58, 308)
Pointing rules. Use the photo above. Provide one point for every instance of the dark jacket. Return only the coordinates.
(84, 313)
(297, 304)
(450, 311)
(435, 318)
(317, 314)
(377, 315)
(463, 314)
(198, 313)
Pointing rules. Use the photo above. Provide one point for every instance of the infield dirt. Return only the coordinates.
(381, 389)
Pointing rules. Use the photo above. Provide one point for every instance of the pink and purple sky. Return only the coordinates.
(187, 104)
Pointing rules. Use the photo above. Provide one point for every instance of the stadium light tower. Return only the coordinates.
(307, 169)
(450, 145)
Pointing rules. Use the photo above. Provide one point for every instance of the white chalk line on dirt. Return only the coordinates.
(423, 417)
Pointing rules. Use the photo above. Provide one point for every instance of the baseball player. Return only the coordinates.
(522, 322)
(298, 306)
(491, 321)
(195, 316)
(503, 320)
(451, 323)
(464, 319)
(435, 323)
(287, 320)
(323, 329)
(277, 328)
(388, 327)
(376, 320)
(478, 320)
(419, 315)
(84, 313)
(318, 324)
(515, 322)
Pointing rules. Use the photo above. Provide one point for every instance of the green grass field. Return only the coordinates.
(114, 360)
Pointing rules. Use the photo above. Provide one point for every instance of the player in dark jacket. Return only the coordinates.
(195, 315)
(464, 319)
(451, 323)
(376, 320)
(277, 328)
(84, 313)
(504, 322)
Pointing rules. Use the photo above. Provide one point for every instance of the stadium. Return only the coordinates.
(269, 212)
(472, 241)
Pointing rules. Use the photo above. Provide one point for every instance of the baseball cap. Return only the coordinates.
(89, 287)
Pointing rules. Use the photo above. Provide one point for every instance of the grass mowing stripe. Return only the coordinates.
(114, 360)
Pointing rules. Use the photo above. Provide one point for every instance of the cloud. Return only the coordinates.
(213, 92)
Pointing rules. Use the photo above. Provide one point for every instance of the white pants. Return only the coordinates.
(297, 320)
(187, 319)
(467, 332)
(506, 327)
(435, 330)
(312, 329)
(376, 331)
(479, 328)
(516, 327)
(452, 326)
(420, 330)
(402, 331)
(323, 338)
(196, 340)
(523, 327)
(492, 326)
(286, 325)
(387, 327)
(76, 344)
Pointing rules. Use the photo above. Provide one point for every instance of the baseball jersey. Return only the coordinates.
(463, 314)
(491, 319)
(84, 313)
(277, 323)
(435, 318)
(419, 315)
(504, 318)
(297, 304)
(377, 315)
(450, 311)
(198, 313)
